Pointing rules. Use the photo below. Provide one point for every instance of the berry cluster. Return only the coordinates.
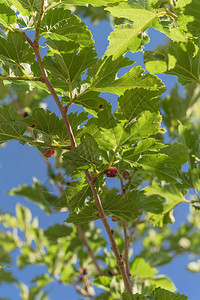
(112, 172)
(48, 152)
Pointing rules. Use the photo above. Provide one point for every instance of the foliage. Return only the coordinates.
(59, 59)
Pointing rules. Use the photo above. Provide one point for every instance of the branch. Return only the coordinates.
(126, 239)
(114, 247)
(46, 81)
(21, 78)
(110, 232)
(85, 242)
(37, 29)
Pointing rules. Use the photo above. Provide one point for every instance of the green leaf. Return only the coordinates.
(135, 101)
(160, 164)
(126, 296)
(113, 204)
(173, 197)
(123, 208)
(59, 24)
(124, 133)
(180, 59)
(11, 125)
(85, 154)
(190, 17)
(91, 102)
(15, 53)
(131, 37)
(67, 65)
(7, 16)
(56, 231)
(37, 193)
(95, 3)
(161, 294)
(144, 146)
(6, 276)
(76, 194)
(103, 77)
(162, 282)
(152, 204)
(139, 267)
(27, 7)
(177, 152)
(87, 214)
(45, 121)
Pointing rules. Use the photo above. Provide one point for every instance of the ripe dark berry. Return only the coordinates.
(126, 175)
(112, 172)
(111, 272)
(48, 152)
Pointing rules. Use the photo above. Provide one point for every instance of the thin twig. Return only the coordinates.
(21, 78)
(114, 247)
(37, 29)
(132, 233)
(85, 242)
(126, 239)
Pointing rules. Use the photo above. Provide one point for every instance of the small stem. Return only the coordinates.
(114, 247)
(126, 239)
(132, 234)
(21, 78)
(85, 242)
(37, 28)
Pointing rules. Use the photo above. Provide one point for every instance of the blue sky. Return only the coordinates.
(19, 164)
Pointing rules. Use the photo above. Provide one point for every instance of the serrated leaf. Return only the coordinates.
(26, 7)
(91, 102)
(177, 152)
(86, 154)
(113, 204)
(76, 194)
(131, 37)
(7, 16)
(56, 231)
(160, 164)
(180, 59)
(125, 133)
(139, 267)
(45, 121)
(67, 65)
(15, 53)
(152, 204)
(59, 24)
(123, 208)
(161, 294)
(172, 195)
(190, 17)
(11, 125)
(126, 296)
(95, 3)
(36, 193)
(103, 77)
(135, 101)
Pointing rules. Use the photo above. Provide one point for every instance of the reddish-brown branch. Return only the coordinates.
(126, 239)
(114, 247)
(110, 232)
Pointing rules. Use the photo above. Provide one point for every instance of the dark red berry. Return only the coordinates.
(112, 172)
(85, 271)
(100, 106)
(48, 152)
(126, 175)
(111, 272)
